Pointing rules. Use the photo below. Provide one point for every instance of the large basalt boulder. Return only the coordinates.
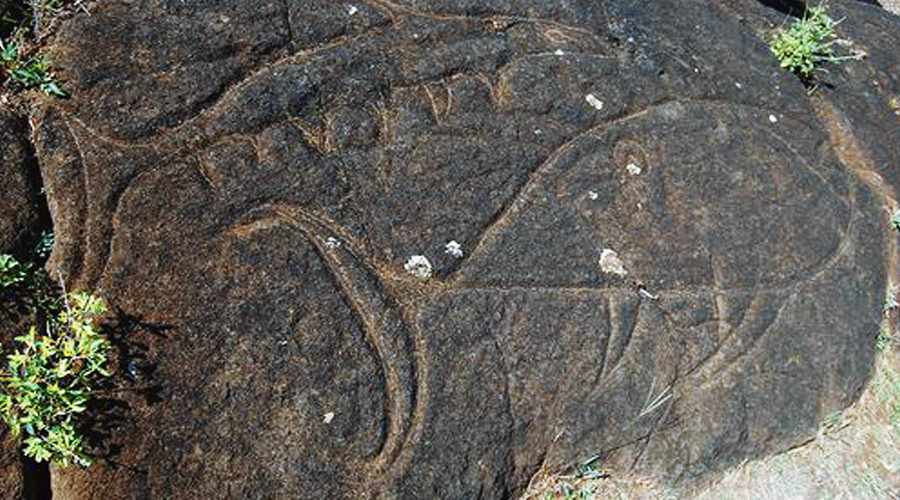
(670, 256)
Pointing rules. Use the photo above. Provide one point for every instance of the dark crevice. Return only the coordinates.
(38, 199)
(37, 480)
(798, 8)
(36, 475)
(795, 8)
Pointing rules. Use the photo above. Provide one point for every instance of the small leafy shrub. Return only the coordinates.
(13, 274)
(807, 43)
(21, 28)
(44, 247)
(23, 73)
(48, 379)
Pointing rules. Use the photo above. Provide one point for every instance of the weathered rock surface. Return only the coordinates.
(12, 484)
(19, 207)
(253, 176)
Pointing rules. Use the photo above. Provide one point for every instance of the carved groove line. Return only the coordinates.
(856, 157)
(527, 195)
(383, 325)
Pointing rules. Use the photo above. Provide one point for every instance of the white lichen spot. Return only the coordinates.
(418, 266)
(332, 242)
(593, 195)
(328, 417)
(633, 169)
(559, 52)
(352, 10)
(593, 101)
(610, 263)
(453, 248)
(773, 118)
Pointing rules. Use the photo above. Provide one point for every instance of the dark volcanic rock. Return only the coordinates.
(671, 259)
(19, 208)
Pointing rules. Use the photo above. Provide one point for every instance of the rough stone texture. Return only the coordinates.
(12, 484)
(251, 178)
(19, 211)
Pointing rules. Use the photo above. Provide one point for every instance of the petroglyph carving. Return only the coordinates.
(554, 239)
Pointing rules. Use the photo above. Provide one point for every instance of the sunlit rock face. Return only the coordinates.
(422, 249)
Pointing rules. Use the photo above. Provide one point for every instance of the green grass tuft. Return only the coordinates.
(807, 43)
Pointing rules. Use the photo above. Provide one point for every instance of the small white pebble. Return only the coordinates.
(773, 118)
(559, 52)
(537, 131)
(332, 242)
(738, 85)
(633, 169)
(453, 248)
(418, 266)
(352, 10)
(593, 195)
(328, 417)
(593, 101)
(610, 263)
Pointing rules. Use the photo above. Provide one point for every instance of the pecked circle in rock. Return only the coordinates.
(654, 252)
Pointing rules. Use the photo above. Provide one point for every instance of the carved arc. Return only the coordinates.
(382, 322)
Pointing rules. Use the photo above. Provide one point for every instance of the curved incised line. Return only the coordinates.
(538, 177)
(381, 319)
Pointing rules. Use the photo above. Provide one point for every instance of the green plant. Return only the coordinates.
(894, 104)
(886, 385)
(24, 72)
(890, 300)
(21, 28)
(883, 341)
(895, 219)
(807, 43)
(13, 274)
(44, 247)
(48, 380)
